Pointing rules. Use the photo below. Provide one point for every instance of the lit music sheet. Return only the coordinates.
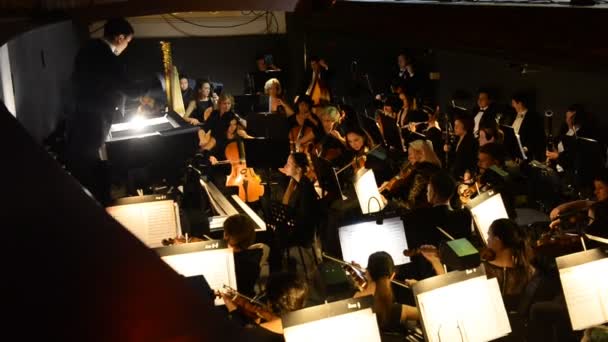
(217, 266)
(150, 222)
(470, 310)
(586, 293)
(359, 241)
(487, 212)
(358, 326)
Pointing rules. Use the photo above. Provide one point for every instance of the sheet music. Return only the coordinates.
(359, 241)
(358, 326)
(367, 192)
(216, 265)
(150, 222)
(586, 293)
(471, 310)
(487, 212)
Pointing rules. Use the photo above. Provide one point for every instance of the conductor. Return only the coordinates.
(100, 84)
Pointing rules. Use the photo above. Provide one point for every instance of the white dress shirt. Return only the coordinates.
(478, 120)
(518, 120)
(112, 46)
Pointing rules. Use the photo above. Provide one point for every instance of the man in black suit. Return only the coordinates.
(529, 126)
(484, 111)
(101, 83)
(421, 224)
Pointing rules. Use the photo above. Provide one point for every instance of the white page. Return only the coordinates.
(150, 222)
(216, 265)
(487, 212)
(359, 241)
(358, 326)
(367, 191)
(465, 311)
(585, 290)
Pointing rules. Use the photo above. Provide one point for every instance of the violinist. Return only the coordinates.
(424, 163)
(391, 316)
(302, 203)
(249, 259)
(285, 292)
(509, 260)
(597, 211)
(359, 146)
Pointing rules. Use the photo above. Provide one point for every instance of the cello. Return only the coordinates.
(247, 181)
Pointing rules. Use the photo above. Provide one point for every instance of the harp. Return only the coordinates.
(175, 101)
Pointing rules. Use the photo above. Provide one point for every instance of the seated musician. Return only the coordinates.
(379, 273)
(273, 89)
(285, 292)
(239, 234)
(317, 82)
(349, 118)
(408, 112)
(187, 92)
(415, 175)
(197, 106)
(359, 146)
(462, 155)
(506, 258)
(217, 120)
(302, 125)
(597, 211)
(329, 142)
(301, 201)
(493, 175)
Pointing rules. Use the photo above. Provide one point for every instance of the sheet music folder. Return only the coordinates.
(346, 320)
(358, 241)
(584, 278)
(212, 259)
(461, 306)
(150, 218)
(486, 208)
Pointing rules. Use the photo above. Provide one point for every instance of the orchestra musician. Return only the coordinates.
(529, 126)
(359, 146)
(303, 124)
(196, 112)
(485, 111)
(490, 133)
(424, 163)
(597, 210)
(217, 120)
(250, 259)
(329, 143)
(273, 89)
(317, 82)
(493, 156)
(391, 315)
(187, 92)
(301, 201)
(285, 292)
(463, 154)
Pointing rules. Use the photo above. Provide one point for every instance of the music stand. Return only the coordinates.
(486, 208)
(585, 286)
(358, 241)
(267, 125)
(588, 160)
(461, 306)
(212, 259)
(392, 136)
(246, 104)
(347, 320)
(512, 143)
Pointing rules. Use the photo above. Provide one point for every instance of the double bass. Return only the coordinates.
(247, 181)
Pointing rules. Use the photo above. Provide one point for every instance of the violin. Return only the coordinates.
(357, 273)
(247, 181)
(400, 178)
(557, 243)
(250, 307)
(180, 240)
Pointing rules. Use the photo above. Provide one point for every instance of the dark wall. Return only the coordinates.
(41, 63)
(220, 59)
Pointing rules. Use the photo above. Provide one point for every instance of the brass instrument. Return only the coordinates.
(175, 101)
